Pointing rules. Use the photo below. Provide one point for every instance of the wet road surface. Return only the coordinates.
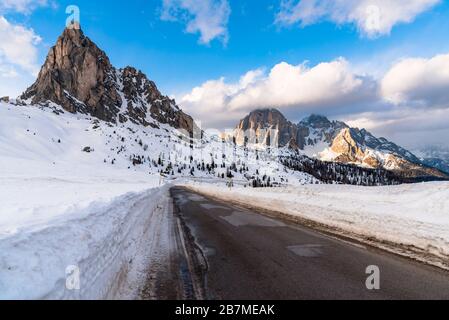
(252, 256)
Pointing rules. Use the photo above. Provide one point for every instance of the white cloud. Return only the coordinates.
(373, 18)
(18, 45)
(326, 85)
(423, 82)
(408, 104)
(417, 91)
(18, 57)
(410, 127)
(22, 6)
(207, 17)
(7, 71)
(18, 48)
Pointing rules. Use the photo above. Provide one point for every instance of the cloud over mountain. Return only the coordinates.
(326, 85)
(410, 97)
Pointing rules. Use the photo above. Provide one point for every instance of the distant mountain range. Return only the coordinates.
(435, 156)
(318, 137)
(78, 77)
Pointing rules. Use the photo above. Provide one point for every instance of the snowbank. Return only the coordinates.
(411, 220)
(107, 241)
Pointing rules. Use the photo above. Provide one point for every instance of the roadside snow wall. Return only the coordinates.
(108, 243)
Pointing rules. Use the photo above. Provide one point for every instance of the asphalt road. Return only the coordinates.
(251, 256)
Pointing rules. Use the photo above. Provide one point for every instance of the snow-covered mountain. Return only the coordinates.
(86, 153)
(435, 156)
(318, 137)
(78, 76)
(128, 124)
(82, 112)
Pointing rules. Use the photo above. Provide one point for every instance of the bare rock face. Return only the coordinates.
(350, 149)
(143, 99)
(345, 145)
(293, 145)
(372, 161)
(78, 76)
(269, 126)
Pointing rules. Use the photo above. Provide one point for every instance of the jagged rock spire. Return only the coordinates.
(78, 76)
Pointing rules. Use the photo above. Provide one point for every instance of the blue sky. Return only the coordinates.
(229, 38)
(134, 34)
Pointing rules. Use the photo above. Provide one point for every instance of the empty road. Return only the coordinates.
(251, 256)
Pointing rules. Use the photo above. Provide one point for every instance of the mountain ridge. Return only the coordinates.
(435, 156)
(78, 76)
(316, 136)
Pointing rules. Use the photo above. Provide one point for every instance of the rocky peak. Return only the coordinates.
(142, 96)
(320, 130)
(268, 125)
(320, 122)
(78, 76)
(357, 146)
(263, 119)
(317, 136)
(316, 121)
(348, 147)
(135, 82)
(367, 139)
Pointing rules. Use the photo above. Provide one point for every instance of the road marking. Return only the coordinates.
(241, 219)
(213, 206)
(196, 198)
(307, 250)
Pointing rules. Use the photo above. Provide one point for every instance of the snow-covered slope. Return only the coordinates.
(52, 161)
(43, 147)
(78, 191)
(87, 154)
(85, 157)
